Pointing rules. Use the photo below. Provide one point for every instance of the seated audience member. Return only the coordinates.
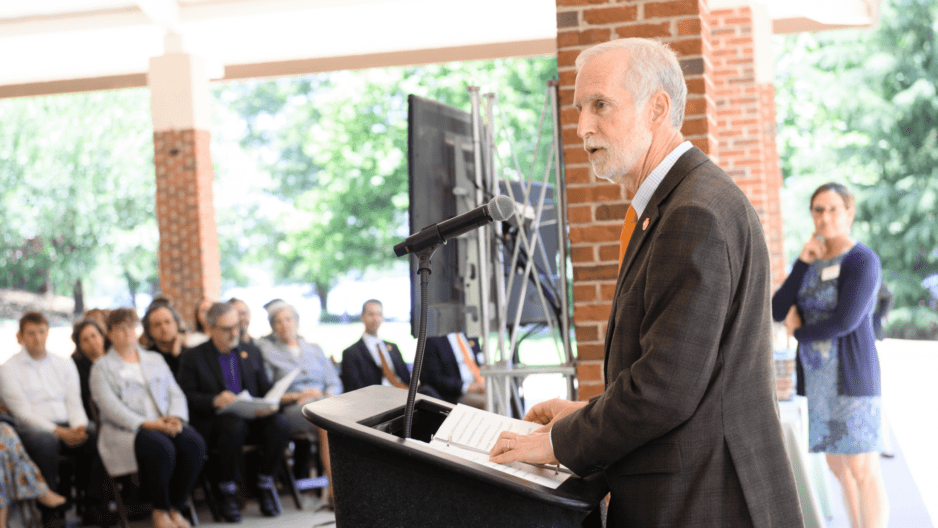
(143, 414)
(450, 365)
(211, 375)
(284, 352)
(90, 345)
(200, 336)
(373, 361)
(244, 320)
(20, 479)
(162, 327)
(43, 393)
(97, 315)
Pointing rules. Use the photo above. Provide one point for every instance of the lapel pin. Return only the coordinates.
(244, 354)
(645, 225)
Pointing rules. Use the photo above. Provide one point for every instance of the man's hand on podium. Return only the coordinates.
(548, 412)
(512, 447)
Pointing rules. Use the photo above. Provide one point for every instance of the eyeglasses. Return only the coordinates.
(228, 329)
(819, 211)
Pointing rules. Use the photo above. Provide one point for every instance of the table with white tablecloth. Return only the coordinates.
(810, 468)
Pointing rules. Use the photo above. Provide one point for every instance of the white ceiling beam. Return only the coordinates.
(162, 12)
(68, 22)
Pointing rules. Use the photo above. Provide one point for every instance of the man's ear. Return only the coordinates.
(660, 107)
(19, 337)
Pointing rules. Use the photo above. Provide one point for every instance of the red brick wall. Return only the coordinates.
(596, 208)
(188, 253)
(745, 111)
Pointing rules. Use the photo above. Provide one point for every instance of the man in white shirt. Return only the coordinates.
(43, 394)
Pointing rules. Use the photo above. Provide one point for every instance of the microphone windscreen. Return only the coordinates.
(501, 208)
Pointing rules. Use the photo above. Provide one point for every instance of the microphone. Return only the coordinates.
(500, 208)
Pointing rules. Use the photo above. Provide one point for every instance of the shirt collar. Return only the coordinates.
(651, 183)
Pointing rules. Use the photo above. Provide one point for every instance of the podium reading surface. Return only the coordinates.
(381, 479)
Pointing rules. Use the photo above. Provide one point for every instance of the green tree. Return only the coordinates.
(861, 107)
(335, 146)
(76, 178)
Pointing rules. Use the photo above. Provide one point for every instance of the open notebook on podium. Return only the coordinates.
(246, 406)
(471, 433)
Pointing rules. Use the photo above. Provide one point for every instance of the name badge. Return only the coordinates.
(830, 272)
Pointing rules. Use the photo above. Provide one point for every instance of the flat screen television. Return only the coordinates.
(441, 168)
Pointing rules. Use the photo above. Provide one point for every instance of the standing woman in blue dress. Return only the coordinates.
(833, 285)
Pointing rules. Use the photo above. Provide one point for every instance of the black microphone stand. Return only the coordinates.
(423, 270)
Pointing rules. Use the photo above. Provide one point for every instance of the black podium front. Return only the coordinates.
(381, 479)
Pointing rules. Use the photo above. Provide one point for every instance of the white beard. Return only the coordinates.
(619, 159)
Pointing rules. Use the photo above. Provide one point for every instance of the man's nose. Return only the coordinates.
(585, 126)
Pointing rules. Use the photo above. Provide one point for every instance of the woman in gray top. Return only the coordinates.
(143, 416)
(285, 351)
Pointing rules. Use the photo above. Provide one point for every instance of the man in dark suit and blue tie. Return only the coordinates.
(687, 431)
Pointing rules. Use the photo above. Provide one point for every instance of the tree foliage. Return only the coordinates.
(335, 146)
(76, 188)
(860, 107)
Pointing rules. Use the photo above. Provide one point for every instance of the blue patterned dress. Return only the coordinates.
(19, 477)
(846, 425)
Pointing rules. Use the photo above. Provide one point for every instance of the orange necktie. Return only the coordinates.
(388, 373)
(467, 357)
(631, 218)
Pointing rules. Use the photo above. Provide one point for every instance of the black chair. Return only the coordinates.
(113, 486)
(299, 475)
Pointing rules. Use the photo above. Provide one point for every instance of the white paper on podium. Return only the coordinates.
(246, 406)
(470, 433)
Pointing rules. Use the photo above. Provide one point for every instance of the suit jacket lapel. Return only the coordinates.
(367, 353)
(246, 369)
(148, 367)
(686, 163)
(211, 358)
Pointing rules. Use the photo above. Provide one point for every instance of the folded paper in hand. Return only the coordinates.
(247, 406)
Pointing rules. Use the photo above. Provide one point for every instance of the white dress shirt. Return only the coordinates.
(376, 346)
(464, 372)
(42, 394)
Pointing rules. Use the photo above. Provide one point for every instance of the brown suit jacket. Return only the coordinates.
(687, 430)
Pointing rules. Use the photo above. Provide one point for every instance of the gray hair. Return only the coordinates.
(277, 306)
(216, 311)
(653, 66)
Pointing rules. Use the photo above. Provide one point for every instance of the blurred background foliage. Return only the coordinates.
(311, 172)
(860, 107)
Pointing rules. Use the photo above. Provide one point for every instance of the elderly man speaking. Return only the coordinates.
(687, 431)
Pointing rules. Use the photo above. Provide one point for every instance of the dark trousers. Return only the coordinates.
(44, 448)
(168, 465)
(230, 434)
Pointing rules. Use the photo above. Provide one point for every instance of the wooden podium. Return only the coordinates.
(381, 479)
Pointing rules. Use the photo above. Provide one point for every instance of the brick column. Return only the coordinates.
(188, 252)
(596, 208)
(745, 102)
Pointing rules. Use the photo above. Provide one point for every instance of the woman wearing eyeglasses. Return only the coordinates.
(143, 415)
(833, 287)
